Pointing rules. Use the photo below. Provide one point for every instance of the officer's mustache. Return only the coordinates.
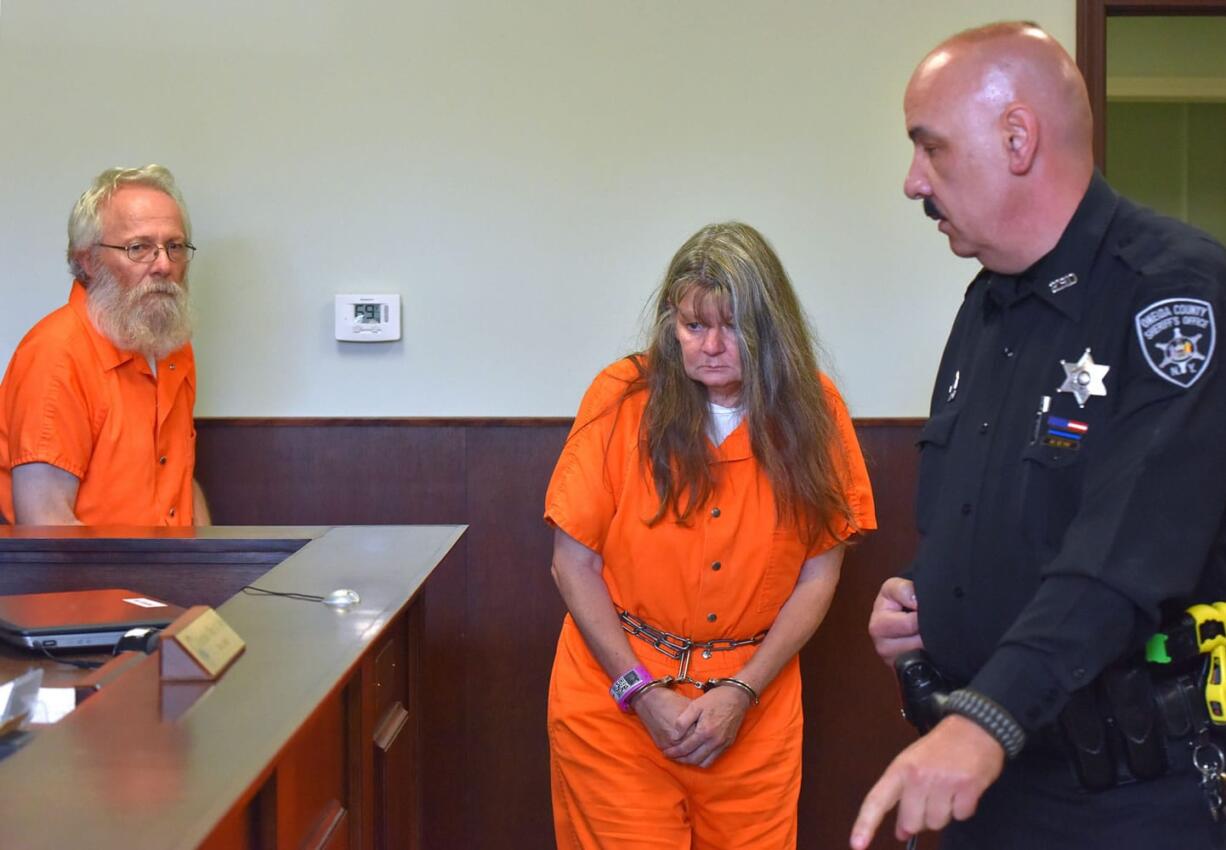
(931, 210)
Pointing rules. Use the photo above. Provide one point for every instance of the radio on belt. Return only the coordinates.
(367, 318)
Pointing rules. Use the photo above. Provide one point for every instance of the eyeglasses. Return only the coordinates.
(147, 252)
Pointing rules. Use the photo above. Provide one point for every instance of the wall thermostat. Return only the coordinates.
(367, 318)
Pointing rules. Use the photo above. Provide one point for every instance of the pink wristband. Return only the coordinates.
(628, 684)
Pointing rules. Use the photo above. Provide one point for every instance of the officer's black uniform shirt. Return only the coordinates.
(1050, 543)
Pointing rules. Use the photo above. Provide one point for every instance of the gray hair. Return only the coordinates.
(85, 220)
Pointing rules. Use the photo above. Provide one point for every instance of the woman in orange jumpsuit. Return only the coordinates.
(701, 505)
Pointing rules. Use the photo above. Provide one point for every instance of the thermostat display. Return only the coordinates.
(368, 318)
(369, 314)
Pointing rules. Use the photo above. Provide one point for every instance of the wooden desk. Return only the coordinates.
(308, 740)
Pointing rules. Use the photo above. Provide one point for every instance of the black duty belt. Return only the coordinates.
(1129, 725)
(1117, 729)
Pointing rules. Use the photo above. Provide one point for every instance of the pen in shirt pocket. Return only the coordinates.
(1044, 406)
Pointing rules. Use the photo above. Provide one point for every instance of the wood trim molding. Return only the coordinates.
(889, 421)
(1092, 47)
(381, 421)
(1159, 89)
(117, 544)
(1171, 8)
(456, 422)
(1092, 59)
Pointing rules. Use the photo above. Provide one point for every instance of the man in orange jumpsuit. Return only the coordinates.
(688, 768)
(96, 406)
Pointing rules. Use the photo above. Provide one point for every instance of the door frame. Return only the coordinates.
(1092, 47)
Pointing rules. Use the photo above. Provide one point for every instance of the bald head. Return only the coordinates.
(1003, 133)
(1015, 62)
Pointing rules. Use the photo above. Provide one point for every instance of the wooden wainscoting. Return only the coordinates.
(490, 622)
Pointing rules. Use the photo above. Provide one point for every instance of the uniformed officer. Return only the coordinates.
(1072, 478)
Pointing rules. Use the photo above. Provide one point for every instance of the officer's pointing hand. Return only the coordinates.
(939, 777)
(894, 623)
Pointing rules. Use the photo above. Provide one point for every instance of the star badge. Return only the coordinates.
(1084, 378)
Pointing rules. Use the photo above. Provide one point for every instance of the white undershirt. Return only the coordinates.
(722, 422)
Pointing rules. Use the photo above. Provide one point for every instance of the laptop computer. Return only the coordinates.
(79, 619)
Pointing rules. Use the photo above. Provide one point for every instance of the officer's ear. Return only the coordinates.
(1021, 134)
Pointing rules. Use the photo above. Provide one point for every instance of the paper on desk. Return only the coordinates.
(17, 699)
(53, 704)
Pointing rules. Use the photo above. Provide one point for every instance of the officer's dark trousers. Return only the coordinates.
(1038, 805)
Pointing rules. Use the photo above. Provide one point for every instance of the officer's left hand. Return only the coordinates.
(894, 623)
(939, 777)
(709, 724)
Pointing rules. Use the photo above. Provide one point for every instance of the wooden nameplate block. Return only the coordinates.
(198, 646)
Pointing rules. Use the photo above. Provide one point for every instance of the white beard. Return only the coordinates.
(137, 319)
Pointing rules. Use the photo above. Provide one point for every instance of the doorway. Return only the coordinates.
(1156, 73)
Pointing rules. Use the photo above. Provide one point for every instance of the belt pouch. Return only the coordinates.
(1181, 705)
(1085, 734)
(1130, 697)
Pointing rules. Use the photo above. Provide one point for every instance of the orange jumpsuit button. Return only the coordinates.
(715, 512)
(717, 566)
(711, 618)
(162, 460)
(172, 512)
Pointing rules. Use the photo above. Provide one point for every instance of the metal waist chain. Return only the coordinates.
(681, 648)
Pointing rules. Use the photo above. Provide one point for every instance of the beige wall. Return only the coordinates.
(519, 173)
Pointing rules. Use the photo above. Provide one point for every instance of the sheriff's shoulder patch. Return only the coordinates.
(1177, 337)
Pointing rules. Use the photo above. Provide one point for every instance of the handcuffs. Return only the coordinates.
(680, 649)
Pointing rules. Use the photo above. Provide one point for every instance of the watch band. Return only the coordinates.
(988, 716)
(628, 684)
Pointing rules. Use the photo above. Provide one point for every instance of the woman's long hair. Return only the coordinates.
(791, 428)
